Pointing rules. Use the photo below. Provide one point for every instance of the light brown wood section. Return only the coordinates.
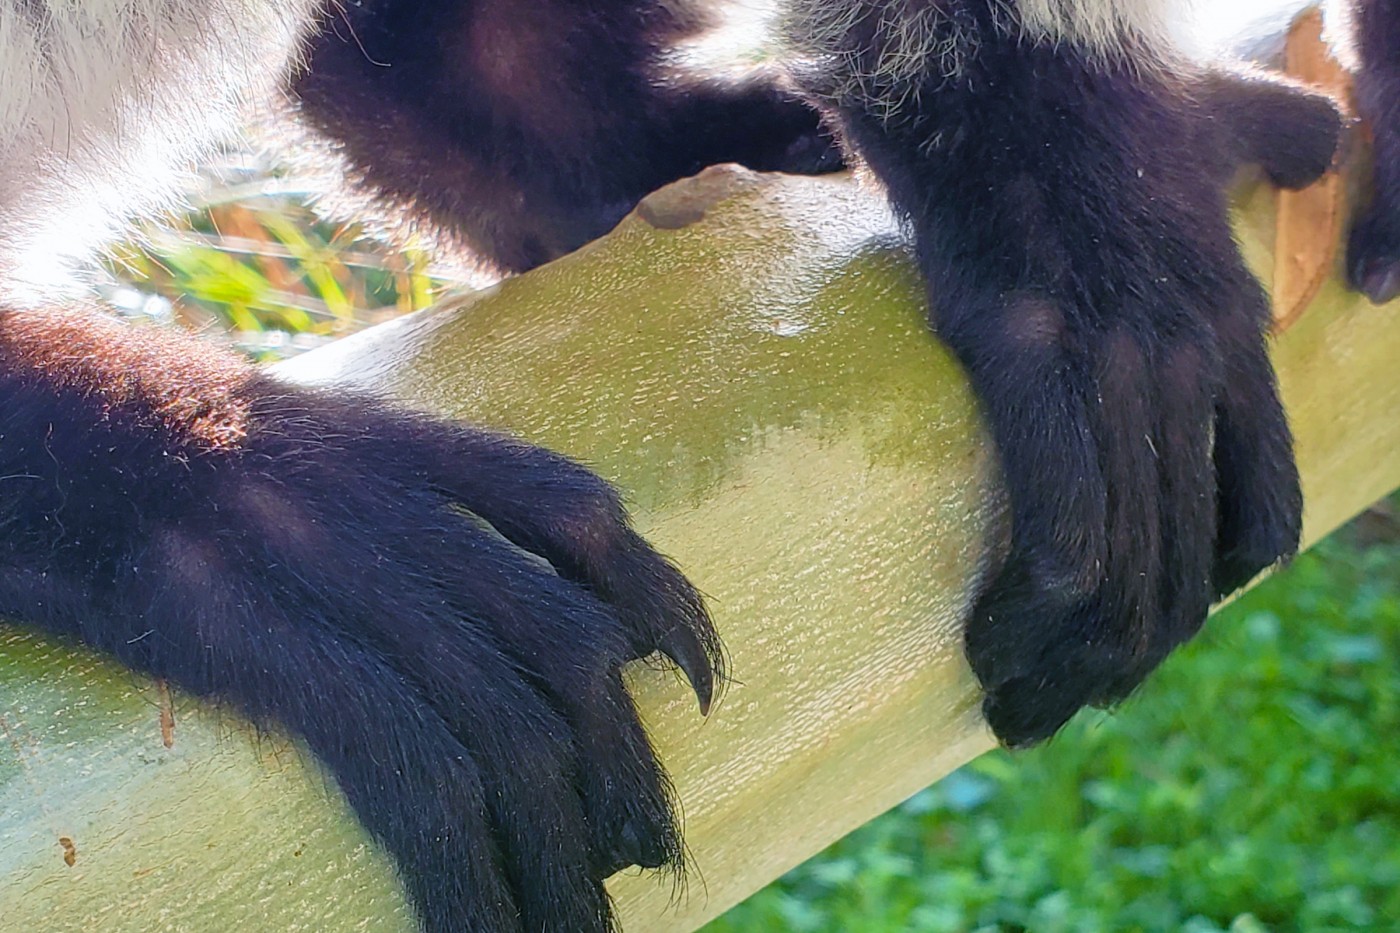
(1311, 222)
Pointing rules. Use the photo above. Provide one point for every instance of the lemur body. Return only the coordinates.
(302, 556)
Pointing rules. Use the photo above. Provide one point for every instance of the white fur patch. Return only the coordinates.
(1340, 31)
(1116, 28)
(911, 40)
(908, 42)
(103, 103)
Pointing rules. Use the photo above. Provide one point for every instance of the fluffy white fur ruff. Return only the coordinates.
(914, 39)
(1109, 27)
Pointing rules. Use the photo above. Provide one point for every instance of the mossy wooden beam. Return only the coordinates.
(746, 357)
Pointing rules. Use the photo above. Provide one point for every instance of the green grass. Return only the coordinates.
(1254, 784)
(254, 265)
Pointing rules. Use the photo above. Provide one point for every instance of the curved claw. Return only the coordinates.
(688, 652)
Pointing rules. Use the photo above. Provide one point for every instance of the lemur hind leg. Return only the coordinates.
(528, 127)
(303, 557)
(1064, 180)
(1373, 256)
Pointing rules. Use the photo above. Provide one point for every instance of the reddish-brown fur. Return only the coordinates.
(189, 388)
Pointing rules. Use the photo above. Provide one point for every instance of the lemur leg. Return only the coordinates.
(528, 127)
(1373, 257)
(1065, 183)
(302, 557)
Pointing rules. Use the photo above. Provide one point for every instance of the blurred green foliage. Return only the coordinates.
(1252, 785)
(252, 260)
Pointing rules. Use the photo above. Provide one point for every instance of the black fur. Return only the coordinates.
(528, 128)
(1373, 255)
(1069, 212)
(300, 556)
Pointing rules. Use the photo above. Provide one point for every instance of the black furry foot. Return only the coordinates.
(1127, 521)
(1071, 218)
(1122, 542)
(323, 563)
(1118, 551)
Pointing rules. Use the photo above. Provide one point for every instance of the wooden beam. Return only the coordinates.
(746, 357)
